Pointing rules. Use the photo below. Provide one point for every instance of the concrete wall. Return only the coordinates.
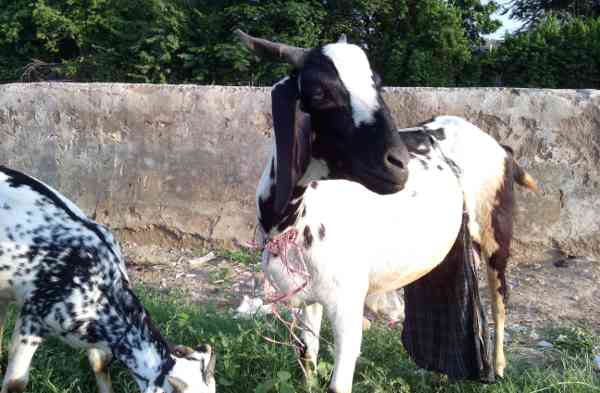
(184, 161)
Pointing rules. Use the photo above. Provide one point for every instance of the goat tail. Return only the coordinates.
(524, 179)
(520, 175)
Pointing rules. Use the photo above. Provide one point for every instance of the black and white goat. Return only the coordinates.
(355, 242)
(68, 278)
(488, 175)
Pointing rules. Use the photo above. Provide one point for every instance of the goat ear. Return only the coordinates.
(343, 39)
(210, 367)
(178, 385)
(182, 351)
(209, 372)
(292, 140)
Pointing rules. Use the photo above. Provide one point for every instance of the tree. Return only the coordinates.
(553, 54)
(99, 40)
(533, 12)
(409, 42)
(214, 55)
(477, 18)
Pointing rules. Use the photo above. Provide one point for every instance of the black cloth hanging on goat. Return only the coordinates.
(445, 328)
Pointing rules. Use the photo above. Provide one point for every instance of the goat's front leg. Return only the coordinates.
(100, 360)
(346, 317)
(24, 343)
(310, 323)
(3, 313)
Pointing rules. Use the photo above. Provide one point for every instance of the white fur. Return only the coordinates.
(317, 169)
(188, 370)
(482, 162)
(355, 72)
(373, 243)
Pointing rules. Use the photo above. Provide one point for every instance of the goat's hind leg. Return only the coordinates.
(100, 360)
(497, 287)
(24, 342)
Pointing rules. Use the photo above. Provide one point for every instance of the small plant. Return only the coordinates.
(220, 276)
(575, 340)
(246, 258)
(280, 383)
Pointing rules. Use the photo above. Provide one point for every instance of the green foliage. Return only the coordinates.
(409, 42)
(476, 18)
(245, 257)
(552, 55)
(100, 40)
(532, 12)
(576, 340)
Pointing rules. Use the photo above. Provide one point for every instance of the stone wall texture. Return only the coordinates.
(184, 161)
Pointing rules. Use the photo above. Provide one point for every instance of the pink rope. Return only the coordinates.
(280, 246)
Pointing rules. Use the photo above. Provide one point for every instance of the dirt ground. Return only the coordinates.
(555, 290)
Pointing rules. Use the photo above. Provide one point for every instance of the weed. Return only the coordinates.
(575, 340)
(244, 257)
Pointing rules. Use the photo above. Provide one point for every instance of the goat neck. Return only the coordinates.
(271, 222)
(136, 342)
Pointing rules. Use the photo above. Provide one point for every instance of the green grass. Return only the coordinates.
(247, 363)
(247, 258)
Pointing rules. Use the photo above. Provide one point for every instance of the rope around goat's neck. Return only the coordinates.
(280, 245)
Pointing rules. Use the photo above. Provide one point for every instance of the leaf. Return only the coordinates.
(283, 376)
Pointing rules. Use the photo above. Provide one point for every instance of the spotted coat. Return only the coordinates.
(66, 274)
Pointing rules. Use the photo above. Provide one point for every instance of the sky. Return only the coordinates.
(508, 24)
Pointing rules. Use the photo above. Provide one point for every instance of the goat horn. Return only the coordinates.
(274, 51)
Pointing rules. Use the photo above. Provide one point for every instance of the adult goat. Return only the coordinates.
(351, 241)
(488, 175)
(331, 87)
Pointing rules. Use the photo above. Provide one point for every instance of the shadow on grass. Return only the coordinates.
(248, 363)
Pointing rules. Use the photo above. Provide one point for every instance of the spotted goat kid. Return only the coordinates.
(67, 276)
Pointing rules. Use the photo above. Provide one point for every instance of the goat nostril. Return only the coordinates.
(392, 159)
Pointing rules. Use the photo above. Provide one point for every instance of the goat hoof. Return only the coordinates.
(15, 386)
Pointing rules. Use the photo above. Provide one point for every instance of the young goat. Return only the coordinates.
(68, 278)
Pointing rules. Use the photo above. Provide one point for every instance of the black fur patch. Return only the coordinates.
(269, 219)
(321, 232)
(272, 171)
(502, 225)
(438, 134)
(308, 237)
(17, 179)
